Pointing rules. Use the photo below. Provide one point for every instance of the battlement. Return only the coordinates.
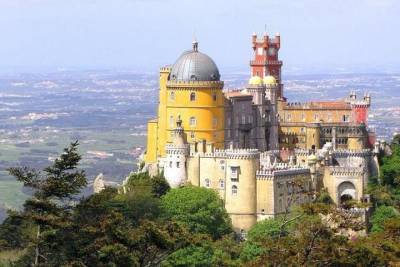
(319, 105)
(173, 149)
(166, 69)
(346, 171)
(302, 152)
(266, 39)
(352, 153)
(242, 153)
(282, 169)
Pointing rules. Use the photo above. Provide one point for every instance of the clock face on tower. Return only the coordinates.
(271, 51)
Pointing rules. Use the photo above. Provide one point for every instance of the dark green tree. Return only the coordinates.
(55, 189)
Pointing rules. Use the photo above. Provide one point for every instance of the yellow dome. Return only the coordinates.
(269, 80)
(255, 80)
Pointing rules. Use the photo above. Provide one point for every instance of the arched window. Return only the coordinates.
(215, 96)
(192, 121)
(172, 96)
(234, 190)
(192, 96)
(207, 183)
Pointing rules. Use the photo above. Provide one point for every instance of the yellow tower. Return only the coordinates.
(190, 91)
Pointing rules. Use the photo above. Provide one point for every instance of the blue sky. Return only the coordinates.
(145, 34)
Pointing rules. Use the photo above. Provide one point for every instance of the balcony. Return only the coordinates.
(265, 62)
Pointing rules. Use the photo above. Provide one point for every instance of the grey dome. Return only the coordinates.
(194, 66)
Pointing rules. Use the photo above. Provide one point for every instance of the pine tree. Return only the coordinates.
(55, 189)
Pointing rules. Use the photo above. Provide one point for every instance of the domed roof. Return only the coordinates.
(255, 80)
(194, 66)
(269, 80)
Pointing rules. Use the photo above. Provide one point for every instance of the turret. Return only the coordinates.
(266, 58)
(176, 158)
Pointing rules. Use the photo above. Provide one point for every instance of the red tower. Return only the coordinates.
(266, 61)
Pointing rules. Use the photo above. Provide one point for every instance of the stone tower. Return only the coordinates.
(266, 60)
(176, 158)
(242, 165)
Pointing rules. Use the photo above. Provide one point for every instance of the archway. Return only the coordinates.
(346, 193)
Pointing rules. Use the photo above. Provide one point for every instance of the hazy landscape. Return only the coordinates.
(107, 111)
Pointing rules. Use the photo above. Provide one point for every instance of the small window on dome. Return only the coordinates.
(193, 77)
(173, 77)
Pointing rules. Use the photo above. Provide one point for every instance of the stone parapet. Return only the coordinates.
(346, 171)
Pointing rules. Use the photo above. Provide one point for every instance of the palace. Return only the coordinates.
(261, 153)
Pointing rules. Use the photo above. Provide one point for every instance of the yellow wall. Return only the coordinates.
(151, 153)
(209, 113)
(162, 109)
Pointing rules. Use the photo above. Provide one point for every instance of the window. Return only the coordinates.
(207, 183)
(215, 96)
(172, 96)
(302, 130)
(289, 117)
(303, 117)
(316, 117)
(243, 119)
(221, 184)
(215, 122)
(250, 119)
(229, 122)
(171, 121)
(170, 164)
(192, 96)
(192, 135)
(177, 164)
(345, 118)
(234, 190)
(235, 173)
(192, 121)
(222, 165)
